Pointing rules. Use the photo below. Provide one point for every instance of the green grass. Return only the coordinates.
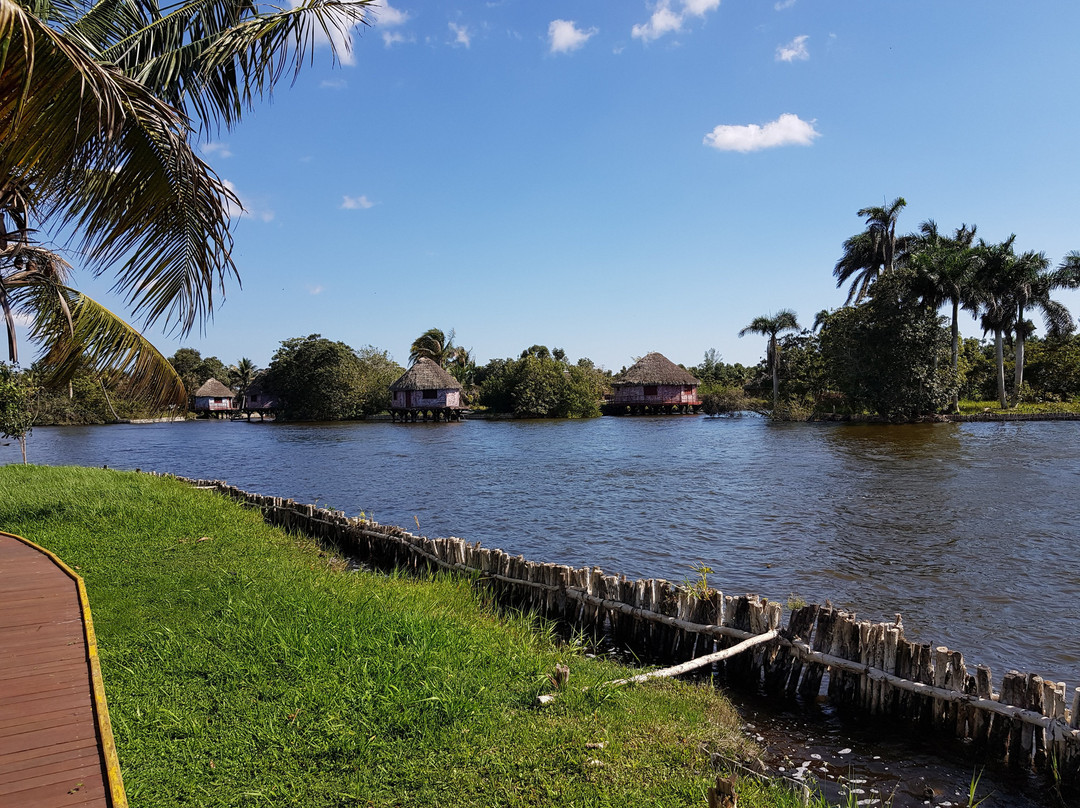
(976, 407)
(247, 667)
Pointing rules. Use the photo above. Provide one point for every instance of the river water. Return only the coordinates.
(967, 530)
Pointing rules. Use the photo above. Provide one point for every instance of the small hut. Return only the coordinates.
(214, 399)
(426, 390)
(654, 385)
(258, 400)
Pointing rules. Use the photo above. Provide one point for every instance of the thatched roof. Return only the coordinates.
(656, 368)
(425, 375)
(214, 389)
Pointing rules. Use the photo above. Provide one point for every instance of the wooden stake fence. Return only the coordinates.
(869, 667)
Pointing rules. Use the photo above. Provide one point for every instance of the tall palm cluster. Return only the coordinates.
(439, 347)
(990, 280)
(100, 102)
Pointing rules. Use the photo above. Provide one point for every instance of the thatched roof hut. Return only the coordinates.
(426, 388)
(213, 396)
(425, 375)
(214, 389)
(655, 384)
(655, 368)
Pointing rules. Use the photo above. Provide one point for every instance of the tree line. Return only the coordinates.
(316, 379)
(888, 351)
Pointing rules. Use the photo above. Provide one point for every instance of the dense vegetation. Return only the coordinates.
(316, 379)
(246, 667)
(888, 352)
(542, 384)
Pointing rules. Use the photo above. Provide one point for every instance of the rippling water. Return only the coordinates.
(968, 530)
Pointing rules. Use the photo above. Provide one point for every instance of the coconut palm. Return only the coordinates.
(771, 326)
(944, 269)
(96, 104)
(875, 250)
(241, 375)
(433, 344)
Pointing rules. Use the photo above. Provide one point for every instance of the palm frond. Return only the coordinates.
(107, 158)
(217, 56)
(99, 339)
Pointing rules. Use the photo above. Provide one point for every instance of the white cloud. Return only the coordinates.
(784, 4)
(220, 149)
(699, 7)
(461, 34)
(315, 289)
(391, 38)
(387, 17)
(787, 130)
(564, 36)
(384, 17)
(793, 51)
(248, 208)
(334, 84)
(356, 203)
(666, 20)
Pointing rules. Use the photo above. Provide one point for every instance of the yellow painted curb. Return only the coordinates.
(115, 784)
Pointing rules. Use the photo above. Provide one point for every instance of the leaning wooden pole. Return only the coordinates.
(701, 662)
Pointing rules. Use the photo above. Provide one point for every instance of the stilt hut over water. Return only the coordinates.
(654, 385)
(426, 390)
(214, 399)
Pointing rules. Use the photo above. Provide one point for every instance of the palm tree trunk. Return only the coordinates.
(1018, 376)
(775, 372)
(999, 353)
(956, 355)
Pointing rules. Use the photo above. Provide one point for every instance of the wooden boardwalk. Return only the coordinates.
(56, 746)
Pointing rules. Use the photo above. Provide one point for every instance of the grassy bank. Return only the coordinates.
(247, 667)
(1025, 407)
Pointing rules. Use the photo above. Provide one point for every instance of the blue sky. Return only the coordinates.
(615, 178)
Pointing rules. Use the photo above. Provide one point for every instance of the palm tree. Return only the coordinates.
(241, 375)
(1031, 283)
(871, 252)
(96, 104)
(783, 320)
(993, 265)
(821, 319)
(945, 273)
(433, 344)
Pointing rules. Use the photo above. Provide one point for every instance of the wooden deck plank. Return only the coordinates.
(48, 659)
(16, 724)
(42, 762)
(59, 677)
(88, 791)
(52, 737)
(68, 773)
(47, 737)
(32, 754)
(61, 692)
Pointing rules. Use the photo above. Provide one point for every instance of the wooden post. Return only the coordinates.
(800, 626)
(811, 681)
(1035, 737)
